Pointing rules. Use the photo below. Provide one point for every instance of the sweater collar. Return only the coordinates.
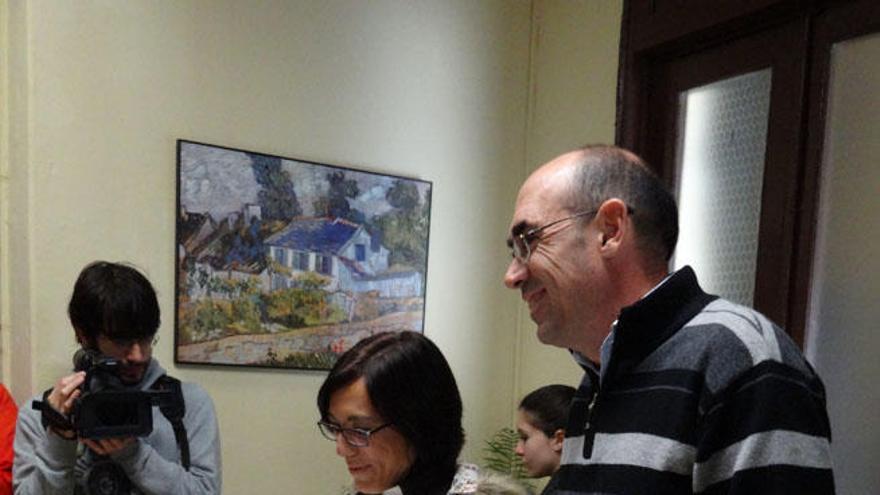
(650, 321)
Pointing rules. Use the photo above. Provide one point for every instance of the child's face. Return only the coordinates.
(540, 453)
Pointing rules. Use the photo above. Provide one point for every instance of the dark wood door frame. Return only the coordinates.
(740, 56)
(660, 37)
(845, 21)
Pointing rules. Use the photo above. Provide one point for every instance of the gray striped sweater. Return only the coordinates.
(697, 395)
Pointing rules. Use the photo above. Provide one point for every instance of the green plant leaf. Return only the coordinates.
(499, 455)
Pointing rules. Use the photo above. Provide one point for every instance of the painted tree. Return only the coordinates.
(335, 204)
(277, 198)
(404, 228)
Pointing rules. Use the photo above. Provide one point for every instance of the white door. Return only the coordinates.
(843, 326)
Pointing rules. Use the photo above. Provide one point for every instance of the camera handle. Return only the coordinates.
(49, 416)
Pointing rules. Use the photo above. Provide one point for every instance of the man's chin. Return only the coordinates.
(133, 376)
(545, 335)
(131, 381)
(550, 335)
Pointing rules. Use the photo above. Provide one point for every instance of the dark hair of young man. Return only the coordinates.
(113, 300)
(547, 407)
(411, 385)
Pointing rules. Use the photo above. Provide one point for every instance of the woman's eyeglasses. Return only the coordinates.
(355, 437)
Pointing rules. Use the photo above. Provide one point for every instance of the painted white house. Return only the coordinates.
(339, 249)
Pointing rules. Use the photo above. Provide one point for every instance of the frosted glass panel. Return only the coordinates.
(842, 329)
(720, 174)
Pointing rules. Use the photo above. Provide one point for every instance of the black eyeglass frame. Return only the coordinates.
(332, 431)
(523, 240)
(129, 343)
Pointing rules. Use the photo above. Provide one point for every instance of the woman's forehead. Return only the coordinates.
(352, 403)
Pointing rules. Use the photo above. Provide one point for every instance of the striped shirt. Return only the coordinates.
(697, 395)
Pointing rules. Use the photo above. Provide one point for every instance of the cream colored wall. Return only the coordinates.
(435, 90)
(461, 93)
(14, 226)
(573, 94)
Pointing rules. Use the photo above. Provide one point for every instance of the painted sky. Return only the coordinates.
(221, 181)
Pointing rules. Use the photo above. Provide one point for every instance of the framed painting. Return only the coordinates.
(286, 263)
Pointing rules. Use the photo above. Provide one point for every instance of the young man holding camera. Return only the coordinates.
(115, 314)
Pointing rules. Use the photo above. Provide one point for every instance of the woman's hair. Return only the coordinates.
(411, 385)
(114, 300)
(547, 407)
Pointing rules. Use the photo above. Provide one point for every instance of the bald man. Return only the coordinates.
(683, 392)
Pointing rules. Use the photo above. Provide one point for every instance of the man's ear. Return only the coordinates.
(556, 441)
(612, 225)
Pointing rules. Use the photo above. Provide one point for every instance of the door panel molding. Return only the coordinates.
(671, 45)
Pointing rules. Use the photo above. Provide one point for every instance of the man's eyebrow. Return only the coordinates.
(515, 231)
(519, 228)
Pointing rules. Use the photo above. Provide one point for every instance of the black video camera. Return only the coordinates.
(105, 408)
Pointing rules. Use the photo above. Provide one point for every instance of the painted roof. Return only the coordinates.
(321, 235)
(190, 223)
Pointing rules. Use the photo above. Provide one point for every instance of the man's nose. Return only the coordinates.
(136, 353)
(517, 273)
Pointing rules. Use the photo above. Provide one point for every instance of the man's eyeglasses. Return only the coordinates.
(129, 343)
(521, 244)
(355, 437)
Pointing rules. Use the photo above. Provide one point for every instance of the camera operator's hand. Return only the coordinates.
(108, 446)
(66, 391)
(61, 397)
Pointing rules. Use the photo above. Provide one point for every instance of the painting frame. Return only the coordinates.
(285, 263)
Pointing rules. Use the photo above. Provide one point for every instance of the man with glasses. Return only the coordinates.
(114, 313)
(683, 392)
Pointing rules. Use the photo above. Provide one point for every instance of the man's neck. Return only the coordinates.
(631, 288)
(640, 284)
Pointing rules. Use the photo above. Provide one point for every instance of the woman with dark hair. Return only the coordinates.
(392, 406)
(540, 423)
